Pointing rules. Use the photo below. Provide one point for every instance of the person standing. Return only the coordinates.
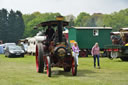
(96, 54)
(76, 50)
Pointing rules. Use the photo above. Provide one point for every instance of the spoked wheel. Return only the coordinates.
(48, 64)
(74, 66)
(39, 58)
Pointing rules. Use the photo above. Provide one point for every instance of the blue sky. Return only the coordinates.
(65, 7)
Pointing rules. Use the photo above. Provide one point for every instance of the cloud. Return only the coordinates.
(65, 6)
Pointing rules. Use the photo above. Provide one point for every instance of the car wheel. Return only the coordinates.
(9, 55)
(22, 55)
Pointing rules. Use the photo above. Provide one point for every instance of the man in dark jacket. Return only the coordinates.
(49, 33)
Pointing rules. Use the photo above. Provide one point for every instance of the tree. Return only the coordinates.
(11, 26)
(116, 20)
(82, 19)
(34, 19)
(19, 25)
(15, 26)
(3, 24)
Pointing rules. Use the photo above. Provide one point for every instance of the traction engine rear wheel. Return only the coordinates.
(74, 66)
(48, 64)
(39, 58)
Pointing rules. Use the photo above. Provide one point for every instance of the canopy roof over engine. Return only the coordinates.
(52, 23)
(58, 22)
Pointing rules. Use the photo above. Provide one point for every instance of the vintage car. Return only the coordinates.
(55, 52)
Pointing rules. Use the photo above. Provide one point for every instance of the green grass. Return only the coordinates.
(22, 71)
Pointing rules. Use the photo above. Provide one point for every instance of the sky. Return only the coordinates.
(65, 7)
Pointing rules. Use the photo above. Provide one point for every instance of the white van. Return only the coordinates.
(32, 42)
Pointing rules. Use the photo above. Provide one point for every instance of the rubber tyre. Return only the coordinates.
(5, 55)
(22, 56)
(48, 64)
(9, 56)
(124, 58)
(68, 69)
(74, 66)
(39, 58)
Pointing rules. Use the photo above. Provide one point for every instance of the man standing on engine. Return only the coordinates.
(49, 33)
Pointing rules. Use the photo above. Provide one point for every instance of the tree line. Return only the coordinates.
(11, 25)
(15, 25)
(116, 20)
(35, 18)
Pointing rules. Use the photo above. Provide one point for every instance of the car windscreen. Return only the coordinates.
(15, 48)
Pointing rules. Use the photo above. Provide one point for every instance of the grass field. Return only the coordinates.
(22, 71)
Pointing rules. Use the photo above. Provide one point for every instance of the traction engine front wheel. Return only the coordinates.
(39, 58)
(74, 66)
(48, 64)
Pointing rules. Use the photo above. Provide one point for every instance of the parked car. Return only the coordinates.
(1, 48)
(14, 51)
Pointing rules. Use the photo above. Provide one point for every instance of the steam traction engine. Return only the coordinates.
(55, 52)
(119, 46)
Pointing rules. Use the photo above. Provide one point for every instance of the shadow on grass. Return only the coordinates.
(120, 61)
(16, 57)
(84, 72)
(80, 73)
